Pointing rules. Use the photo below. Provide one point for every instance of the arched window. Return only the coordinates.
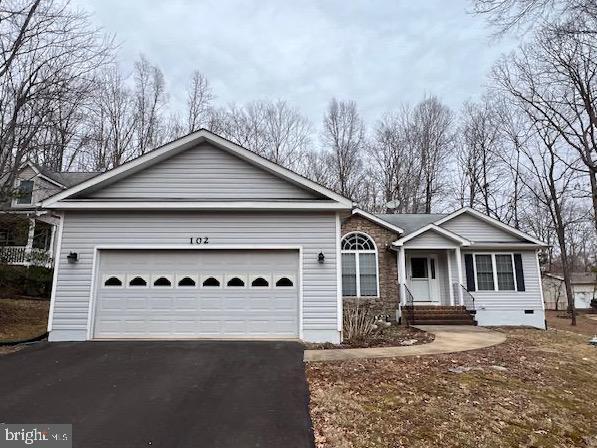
(359, 265)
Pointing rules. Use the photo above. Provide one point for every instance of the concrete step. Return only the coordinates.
(442, 322)
(436, 316)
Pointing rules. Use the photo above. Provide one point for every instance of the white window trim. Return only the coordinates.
(494, 272)
(15, 201)
(358, 267)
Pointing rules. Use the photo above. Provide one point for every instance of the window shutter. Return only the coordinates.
(470, 272)
(519, 272)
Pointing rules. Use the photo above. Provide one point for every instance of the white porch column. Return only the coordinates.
(52, 241)
(401, 260)
(29, 246)
(450, 280)
(459, 266)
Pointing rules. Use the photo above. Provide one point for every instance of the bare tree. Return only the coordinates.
(555, 77)
(46, 50)
(150, 100)
(395, 162)
(561, 16)
(110, 137)
(343, 136)
(199, 102)
(432, 122)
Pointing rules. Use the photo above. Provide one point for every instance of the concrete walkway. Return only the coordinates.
(448, 339)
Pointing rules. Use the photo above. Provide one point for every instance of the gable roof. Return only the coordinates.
(179, 145)
(577, 278)
(384, 223)
(492, 221)
(63, 179)
(432, 228)
(410, 221)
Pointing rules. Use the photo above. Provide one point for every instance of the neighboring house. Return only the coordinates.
(584, 289)
(27, 232)
(202, 238)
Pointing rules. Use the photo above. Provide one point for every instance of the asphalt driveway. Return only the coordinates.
(162, 394)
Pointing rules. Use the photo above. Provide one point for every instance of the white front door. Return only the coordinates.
(422, 278)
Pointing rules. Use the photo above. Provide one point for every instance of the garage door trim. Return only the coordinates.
(98, 248)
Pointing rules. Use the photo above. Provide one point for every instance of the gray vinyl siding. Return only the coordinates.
(476, 230)
(496, 300)
(83, 231)
(41, 187)
(203, 173)
(429, 239)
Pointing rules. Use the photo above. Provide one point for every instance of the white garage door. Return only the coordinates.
(197, 293)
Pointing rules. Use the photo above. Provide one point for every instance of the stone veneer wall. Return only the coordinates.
(387, 303)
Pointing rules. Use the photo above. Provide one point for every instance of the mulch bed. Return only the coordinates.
(395, 335)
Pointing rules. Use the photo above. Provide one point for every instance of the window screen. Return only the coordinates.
(368, 274)
(505, 272)
(25, 192)
(349, 275)
(484, 273)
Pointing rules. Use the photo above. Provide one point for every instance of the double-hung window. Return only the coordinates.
(25, 193)
(495, 272)
(359, 266)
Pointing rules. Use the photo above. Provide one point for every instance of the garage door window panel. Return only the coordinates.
(260, 281)
(162, 281)
(235, 281)
(137, 280)
(285, 281)
(113, 281)
(186, 281)
(211, 281)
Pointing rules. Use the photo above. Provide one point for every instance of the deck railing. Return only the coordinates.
(18, 255)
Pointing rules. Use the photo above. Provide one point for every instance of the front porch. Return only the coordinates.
(27, 239)
(431, 289)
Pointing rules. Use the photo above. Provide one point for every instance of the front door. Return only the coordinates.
(422, 279)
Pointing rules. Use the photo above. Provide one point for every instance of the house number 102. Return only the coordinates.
(199, 240)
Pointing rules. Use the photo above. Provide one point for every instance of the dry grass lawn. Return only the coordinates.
(584, 323)
(541, 394)
(23, 318)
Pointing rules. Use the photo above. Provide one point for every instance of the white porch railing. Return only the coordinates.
(18, 255)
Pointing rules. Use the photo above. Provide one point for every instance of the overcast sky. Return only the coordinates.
(379, 53)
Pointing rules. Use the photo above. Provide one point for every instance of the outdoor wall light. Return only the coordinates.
(72, 257)
(320, 258)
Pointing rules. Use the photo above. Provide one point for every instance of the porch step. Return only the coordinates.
(434, 307)
(438, 315)
(443, 322)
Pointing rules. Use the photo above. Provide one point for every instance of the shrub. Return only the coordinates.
(357, 321)
(33, 281)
